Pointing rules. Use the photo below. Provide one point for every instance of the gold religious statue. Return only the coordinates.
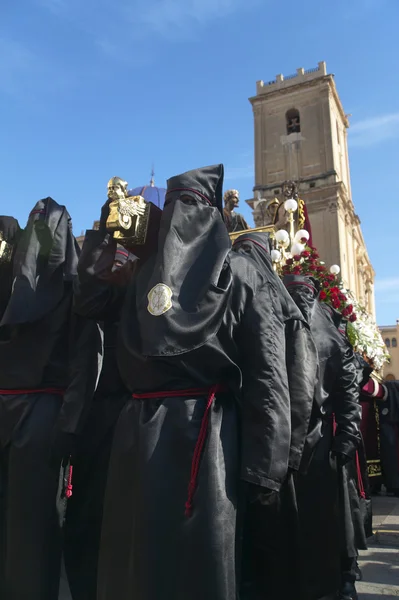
(128, 215)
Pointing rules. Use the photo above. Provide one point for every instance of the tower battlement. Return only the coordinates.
(282, 82)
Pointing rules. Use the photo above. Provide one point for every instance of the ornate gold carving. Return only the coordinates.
(301, 213)
(5, 250)
(374, 468)
(128, 215)
(265, 229)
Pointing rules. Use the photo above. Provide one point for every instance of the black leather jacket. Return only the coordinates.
(337, 387)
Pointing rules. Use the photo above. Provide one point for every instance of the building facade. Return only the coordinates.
(301, 135)
(390, 335)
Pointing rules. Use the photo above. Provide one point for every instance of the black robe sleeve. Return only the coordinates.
(85, 362)
(266, 429)
(346, 405)
(302, 364)
(96, 295)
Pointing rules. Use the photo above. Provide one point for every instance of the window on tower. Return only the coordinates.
(293, 121)
(394, 343)
(387, 342)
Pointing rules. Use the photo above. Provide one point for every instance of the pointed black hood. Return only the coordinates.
(180, 295)
(45, 260)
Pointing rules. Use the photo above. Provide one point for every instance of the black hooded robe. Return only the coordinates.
(90, 468)
(271, 535)
(389, 436)
(48, 368)
(176, 460)
(321, 479)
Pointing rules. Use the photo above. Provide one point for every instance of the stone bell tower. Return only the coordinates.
(301, 135)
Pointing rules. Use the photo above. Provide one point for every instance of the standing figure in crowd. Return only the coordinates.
(233, 221)
(271, 533)
(85, 508)
(48, 370)
(332, 442)
(203, 356)
(389, 436)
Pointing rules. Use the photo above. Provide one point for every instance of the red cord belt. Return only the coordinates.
(36, 391)
(210, 394)
(358, 469)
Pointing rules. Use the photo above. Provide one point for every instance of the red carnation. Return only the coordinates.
(322, 295)
(336, 303)
(349, 308)
(297, 270)
(314, 255)
(345, 312)
(297, 257)
(353, 318)
(326, 284)
(331, 277)
(305, 253)
(289, 261)
(335, 290)
(320, 269)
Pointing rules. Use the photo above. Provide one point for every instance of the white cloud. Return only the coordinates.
(165, 16)
(374, 130)
(244, 172)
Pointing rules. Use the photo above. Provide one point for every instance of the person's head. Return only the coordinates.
(197, 187)
(231, 199)
(304, 291)
(253, 243)
(117, 188)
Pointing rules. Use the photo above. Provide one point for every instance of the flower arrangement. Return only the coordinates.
(362, 331)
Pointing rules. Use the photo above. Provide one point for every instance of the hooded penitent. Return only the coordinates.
(267, 556)
(197, 333)
(45, 259)
(334, 429)
(301, 355)
(182, 292)
(48, 369)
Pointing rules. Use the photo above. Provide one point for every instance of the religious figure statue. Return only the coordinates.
(128, 215)
(265, 212)
(234, 221)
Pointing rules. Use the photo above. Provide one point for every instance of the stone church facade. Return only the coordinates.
(301, 135)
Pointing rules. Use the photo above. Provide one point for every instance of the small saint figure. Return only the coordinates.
(233, 221)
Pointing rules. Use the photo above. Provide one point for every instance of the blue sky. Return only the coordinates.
(91, 89)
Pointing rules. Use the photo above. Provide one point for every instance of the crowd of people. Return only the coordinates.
(177, 422)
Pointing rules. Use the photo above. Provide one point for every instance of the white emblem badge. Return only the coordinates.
(159, 299)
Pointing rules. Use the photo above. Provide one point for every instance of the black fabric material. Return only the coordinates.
(97, 293)
(45, 258)
(301, 353)
(271, 532)
(142, 553)
(90, 470)
(30, 534)
(389, 435)
(271, 548)
(324, 499)
(193, 246)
